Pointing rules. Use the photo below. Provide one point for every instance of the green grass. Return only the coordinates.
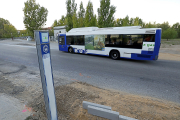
(170, 42)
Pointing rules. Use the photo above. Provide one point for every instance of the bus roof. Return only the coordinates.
(111, 30)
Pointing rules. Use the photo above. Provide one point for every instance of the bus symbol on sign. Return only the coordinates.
(45, 48)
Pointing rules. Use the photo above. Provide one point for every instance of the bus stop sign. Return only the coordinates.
(44, 58)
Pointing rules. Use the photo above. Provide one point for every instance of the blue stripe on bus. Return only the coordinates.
(157, 43)
(147, 52)
(141, 56)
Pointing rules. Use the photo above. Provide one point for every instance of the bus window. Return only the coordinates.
(81, 40)
(132, 41)
(149, 38)
(126, 40)
(78, 40)
(61, 40)
(115, 39)
(106, 39)
(69, 40)
(75, 40)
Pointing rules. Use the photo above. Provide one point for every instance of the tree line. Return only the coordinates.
(85, 17)
(7, 30)
(35, 17)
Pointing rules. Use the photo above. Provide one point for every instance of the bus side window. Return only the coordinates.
(75, 40)
(81, 40)
(69, 40)
(125, 40)
(61, 40)
(106, 39)
(119, 40)
(114, 40)
(149, 38)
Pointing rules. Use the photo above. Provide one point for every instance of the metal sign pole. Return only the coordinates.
(44, 58)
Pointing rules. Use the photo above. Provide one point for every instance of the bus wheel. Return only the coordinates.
(70, 50)
(114, 54)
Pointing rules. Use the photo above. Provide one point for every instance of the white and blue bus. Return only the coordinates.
(131, 42)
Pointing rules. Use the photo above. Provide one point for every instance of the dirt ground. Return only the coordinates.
(169, 56)
(170, 50)
(69, 100)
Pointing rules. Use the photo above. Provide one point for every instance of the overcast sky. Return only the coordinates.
(147, 10)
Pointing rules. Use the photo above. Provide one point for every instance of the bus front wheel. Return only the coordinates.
(114, 54)
(70, 50)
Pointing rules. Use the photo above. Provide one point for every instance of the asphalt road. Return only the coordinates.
(158, 79)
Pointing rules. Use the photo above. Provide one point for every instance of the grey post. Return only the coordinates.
(44, 59)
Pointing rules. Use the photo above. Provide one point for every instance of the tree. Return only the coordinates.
(126, 21)
(169, 34)
(164, 26)
(176, 26)
(51, 32)
(74, 14)
(81, 15)
(106, 14)
(23, 33)
(137, 21)
(140, 22)
(7, 30)
(90, 18)
(131, 22)
(55, 23)
(62, 21)
(75, 20)
(34, 16)
(71, 14)
(150, 25)
(94, 21)
(118, 22)
(74, 7)
(2, 23)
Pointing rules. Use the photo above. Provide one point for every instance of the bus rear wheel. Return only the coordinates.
(70, 50)
(114, 54)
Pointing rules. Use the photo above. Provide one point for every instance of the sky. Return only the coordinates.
(148, 10)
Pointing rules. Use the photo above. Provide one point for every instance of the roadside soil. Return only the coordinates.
(69, 100)
(170, 52)
(169, 56)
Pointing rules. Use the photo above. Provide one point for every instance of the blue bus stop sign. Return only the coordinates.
(44, 58)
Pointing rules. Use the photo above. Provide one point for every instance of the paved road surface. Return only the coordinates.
(159, 79)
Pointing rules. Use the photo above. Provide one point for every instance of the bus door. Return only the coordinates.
(62, 46)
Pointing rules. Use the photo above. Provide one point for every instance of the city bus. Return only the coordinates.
(131, 42)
